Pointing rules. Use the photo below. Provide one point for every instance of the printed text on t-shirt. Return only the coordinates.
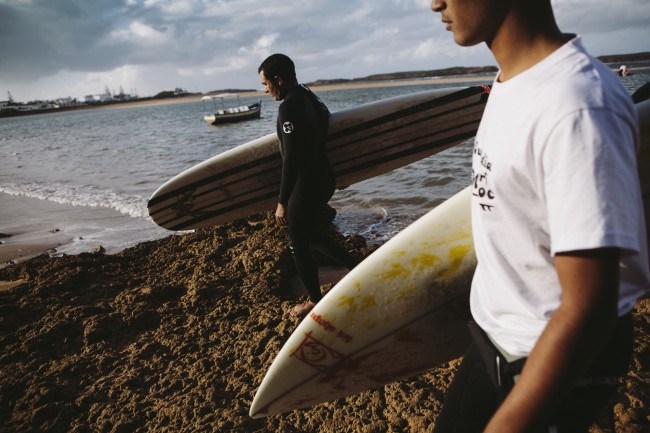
(481, 168)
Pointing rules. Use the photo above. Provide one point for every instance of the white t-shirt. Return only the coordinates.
(554, 170)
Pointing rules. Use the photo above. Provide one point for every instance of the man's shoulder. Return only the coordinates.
(589, 86)
(295, 96)
(293, 103)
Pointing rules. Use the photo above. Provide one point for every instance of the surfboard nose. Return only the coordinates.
(254, 412)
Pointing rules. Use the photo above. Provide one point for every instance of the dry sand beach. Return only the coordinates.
(175, 335)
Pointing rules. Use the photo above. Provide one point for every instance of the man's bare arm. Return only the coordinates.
(575, 334)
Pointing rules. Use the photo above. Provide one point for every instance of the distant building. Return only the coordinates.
(95, 99)
(6, 106)
(123, 97)
(66, 102)
(37, 105)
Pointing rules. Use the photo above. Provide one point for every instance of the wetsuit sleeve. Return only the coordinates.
(290, 127)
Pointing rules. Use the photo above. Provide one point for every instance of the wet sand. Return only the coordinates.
(31, 227)
(175, 335)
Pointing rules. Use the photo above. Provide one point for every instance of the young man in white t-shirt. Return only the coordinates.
(558, 225)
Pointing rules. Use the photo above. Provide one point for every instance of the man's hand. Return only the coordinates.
(281, 215)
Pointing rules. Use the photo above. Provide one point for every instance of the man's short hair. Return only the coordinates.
(278, 65)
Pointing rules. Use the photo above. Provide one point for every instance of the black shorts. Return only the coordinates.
(484, 378)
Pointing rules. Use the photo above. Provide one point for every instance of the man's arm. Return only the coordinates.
(573, 337)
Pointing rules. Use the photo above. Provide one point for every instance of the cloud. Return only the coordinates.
(139, 32)
(219, 43)
(602, 16)
(232, 64)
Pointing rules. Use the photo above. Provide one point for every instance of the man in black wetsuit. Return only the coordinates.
(307, 178)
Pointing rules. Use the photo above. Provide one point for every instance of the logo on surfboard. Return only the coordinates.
(316, 354)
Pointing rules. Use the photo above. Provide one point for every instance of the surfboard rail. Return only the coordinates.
(363, 142)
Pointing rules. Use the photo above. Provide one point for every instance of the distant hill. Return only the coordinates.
(629, 58)
(410, 75)
(216, 92)
(614, 59)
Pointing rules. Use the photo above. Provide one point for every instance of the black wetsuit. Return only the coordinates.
(307, 183)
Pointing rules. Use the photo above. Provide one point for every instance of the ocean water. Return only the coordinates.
(103, 164)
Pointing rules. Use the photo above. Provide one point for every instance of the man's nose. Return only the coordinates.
(437, 5)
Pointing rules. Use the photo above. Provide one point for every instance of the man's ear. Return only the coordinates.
(278, 80)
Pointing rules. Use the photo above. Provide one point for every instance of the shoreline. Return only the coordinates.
(29, 239)
(34, 227)
(343, 86)
(197, 97)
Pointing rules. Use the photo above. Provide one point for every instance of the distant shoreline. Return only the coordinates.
(319, 88)
(196, 97)
(448, 75)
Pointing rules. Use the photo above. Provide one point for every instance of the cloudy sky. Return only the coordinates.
(56, 48)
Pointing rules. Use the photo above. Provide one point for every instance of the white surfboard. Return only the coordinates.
(400, 312)
(363, 142)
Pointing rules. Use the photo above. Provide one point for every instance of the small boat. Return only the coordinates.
(238, 113)
(624, 71)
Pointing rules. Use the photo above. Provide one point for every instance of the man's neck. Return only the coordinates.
(288, 87)
(523, 40)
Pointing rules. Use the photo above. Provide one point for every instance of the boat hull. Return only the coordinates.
(254, 111)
